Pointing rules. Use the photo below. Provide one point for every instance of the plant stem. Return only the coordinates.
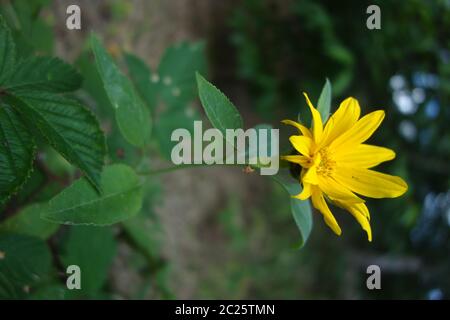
(169, 169)
(179, 167)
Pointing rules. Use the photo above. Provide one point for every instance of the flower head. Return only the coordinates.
(336, 163)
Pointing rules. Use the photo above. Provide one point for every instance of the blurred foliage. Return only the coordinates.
(125, 94)
(280, 48)
(285, 47)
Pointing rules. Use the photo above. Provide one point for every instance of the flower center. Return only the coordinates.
(326, 164)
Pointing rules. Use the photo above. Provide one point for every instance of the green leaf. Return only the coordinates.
(51, 291)
(7, 52)
(81, 204)
(35, 33)
(16, 152)
(324, 103)
(132, 117)
(25, 262)
(43, 73)
(69, 127)
(176, 73)
(119, 149)
(146, 234)
(29, 222)
(301, 210)
(219, 109)
(141, 76)
(27, 12)
(93, 84)
(93, 250)
(32, 186)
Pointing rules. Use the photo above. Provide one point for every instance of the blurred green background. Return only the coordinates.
(220, 233)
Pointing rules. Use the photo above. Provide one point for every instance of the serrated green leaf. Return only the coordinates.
(132, 117)
(7, 52)
(43, 73)
(16, 152)
(25, 262)
(141, 76)
(81, 204)
(32, 186)
(301, 210)
(68, 126)
(28, 222)
(324, 103)
(93, 250)
(219, 109)
(176, 73)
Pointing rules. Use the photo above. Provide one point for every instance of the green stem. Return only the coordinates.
(179, 167)
(169, 169)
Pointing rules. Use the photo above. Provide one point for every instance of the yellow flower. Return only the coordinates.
(336, 163)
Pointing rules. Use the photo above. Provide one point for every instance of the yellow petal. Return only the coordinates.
(301, 160)
(319, 203)
(363, 222)
(362, 208)
(304, 130)
(317, 126)
(360, 132)
(363, 156)
(358, 212)
(370, 183)
(342, 120)
(310, 176)
(336, 191)
(306, 192)
(302, 144)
